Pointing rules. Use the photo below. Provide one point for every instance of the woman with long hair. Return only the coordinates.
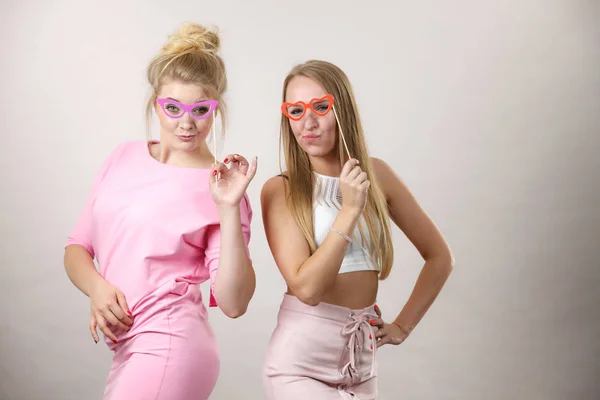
(327, 222)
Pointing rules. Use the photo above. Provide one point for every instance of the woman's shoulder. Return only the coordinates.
(276, 181)
(274, 187)
(380, 166)
(283, 175)
(381, 169)
(133, 145)
(116, 156)
(383, 173)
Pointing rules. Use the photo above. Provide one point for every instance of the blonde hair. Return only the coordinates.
(300, 186)
(190, 55)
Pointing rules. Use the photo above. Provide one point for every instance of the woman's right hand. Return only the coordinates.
(108, 307)
(354, 186)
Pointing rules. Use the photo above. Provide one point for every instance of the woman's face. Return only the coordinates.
(185, 118)
(316, 134)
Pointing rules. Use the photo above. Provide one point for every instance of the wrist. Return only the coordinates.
(226, 210)
(405, 331)
(94, 281)
(350, 214)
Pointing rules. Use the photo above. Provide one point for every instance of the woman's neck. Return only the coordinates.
(328, 165)
(200, 157)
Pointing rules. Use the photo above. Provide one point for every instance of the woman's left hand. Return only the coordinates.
(228, 185)
(387, 333)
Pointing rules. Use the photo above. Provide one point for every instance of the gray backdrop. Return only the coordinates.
(489, 110)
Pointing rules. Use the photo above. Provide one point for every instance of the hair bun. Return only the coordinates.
(193, 38)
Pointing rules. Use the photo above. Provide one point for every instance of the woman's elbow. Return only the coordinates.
(450, 260)
(446, 264)
(308, 296)
(232, 307)
(440, 266)
(234, 312)
(443, 259)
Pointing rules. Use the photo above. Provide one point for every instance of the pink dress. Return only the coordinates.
(154, 231)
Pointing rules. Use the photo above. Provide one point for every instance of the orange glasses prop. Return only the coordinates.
(320, 106)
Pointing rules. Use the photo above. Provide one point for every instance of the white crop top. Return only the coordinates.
(326, 206)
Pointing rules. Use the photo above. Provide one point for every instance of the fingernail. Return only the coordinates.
(371, 347)
(95, 341)
(372, 322)
(376, 306)
(226, 160)
(370, 336)
(215, 172)
(115, 341)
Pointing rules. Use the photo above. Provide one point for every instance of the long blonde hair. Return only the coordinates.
(190, 55)
(300, 186)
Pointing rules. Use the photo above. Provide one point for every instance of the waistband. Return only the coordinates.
(176, 292)
(324, 310)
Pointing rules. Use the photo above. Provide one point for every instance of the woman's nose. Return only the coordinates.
(310, 122)
(186, 122)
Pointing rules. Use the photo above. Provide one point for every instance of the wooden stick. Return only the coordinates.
(214, 132)
(341, 131)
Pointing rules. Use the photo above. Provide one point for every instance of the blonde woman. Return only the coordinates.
(163, 217)
(326, 220)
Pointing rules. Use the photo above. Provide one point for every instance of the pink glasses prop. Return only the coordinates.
(175, 109)
(198, 111)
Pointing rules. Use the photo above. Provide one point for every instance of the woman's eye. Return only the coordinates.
(200, 110)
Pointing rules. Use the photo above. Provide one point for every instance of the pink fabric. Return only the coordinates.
(154, 231)
(321, 352)
(171, 352)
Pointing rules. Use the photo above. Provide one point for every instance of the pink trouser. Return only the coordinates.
(170, 353)
(321, 352)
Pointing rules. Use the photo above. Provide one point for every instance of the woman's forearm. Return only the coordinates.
(80, 268)
(235, 282)
(429, 284)
(318, 273)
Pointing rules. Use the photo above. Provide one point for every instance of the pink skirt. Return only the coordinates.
(170, 352)
(321, 352)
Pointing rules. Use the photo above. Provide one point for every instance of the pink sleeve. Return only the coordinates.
(213, 247)
(82, 231)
